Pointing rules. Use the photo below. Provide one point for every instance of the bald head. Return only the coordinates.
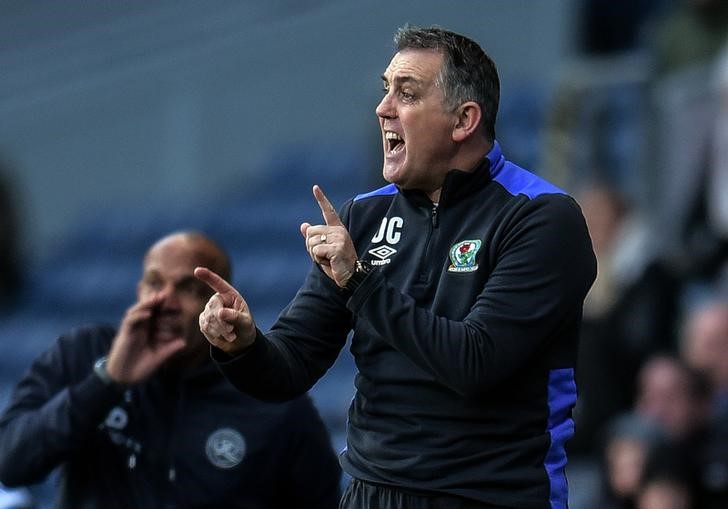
(168, 277)
(195, 248)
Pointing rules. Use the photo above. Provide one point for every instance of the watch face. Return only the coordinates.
(100, 370)
(356, 277)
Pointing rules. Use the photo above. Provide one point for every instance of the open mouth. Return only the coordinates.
(167, 329)
(395, 143)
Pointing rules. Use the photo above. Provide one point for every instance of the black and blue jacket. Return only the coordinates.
(176, 441)
(465, 337)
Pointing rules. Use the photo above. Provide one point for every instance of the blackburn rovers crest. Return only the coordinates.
(462, 256)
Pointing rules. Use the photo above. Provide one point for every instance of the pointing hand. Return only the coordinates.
(226, 320)
(330, 244)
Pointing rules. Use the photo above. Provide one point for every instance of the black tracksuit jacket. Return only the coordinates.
(465, 337)
(172, 442)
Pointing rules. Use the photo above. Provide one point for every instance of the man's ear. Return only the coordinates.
(468, 120)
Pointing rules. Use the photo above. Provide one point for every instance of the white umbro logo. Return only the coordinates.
(383, 252)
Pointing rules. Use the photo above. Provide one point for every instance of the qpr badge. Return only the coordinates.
(225, 448)
(462, 256)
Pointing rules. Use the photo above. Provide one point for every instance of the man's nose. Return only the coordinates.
(169, 296)
(385, 108)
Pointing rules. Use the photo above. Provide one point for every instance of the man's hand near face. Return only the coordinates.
(135, 353)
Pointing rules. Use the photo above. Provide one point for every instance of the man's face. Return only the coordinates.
(705, 345)
(168, 270)
(663, 394)
(416, 126)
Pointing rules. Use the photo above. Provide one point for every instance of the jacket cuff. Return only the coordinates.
(223, 359)
(91, 399)
(368, 286)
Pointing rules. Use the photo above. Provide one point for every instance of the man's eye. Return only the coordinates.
(407, 96)
(154, 284)
(193, 288)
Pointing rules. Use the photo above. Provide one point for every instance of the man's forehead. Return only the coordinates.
(172, 271)
(413, 65)
(175, 258)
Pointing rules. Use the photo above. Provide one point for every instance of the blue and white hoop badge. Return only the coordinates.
(225, 448)
(462, 256)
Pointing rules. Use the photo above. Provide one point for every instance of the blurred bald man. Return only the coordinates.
(141, 417)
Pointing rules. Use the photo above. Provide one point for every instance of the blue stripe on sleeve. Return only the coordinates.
(561, 399)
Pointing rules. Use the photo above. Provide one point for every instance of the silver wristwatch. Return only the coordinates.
(100, 371)
(362, 268)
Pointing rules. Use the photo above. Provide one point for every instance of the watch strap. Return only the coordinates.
(362, 268)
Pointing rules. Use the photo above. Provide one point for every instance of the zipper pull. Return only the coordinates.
(435, 220)
(172, 474)
(131, 462)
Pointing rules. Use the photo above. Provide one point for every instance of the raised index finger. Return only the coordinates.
(214, 281)
(328, 210)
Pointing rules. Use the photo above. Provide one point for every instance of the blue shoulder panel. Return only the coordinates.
(515, 179)
(382, 191)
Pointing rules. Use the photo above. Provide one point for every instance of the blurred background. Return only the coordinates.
(123, 121)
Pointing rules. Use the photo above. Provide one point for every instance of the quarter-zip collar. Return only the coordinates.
(460, 183)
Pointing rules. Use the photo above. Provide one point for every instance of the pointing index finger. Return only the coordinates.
(214, 281)
(327, 210)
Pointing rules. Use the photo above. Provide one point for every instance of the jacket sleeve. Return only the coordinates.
(52, 411)
(544, 268)
(300, 347)
(313, 478)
